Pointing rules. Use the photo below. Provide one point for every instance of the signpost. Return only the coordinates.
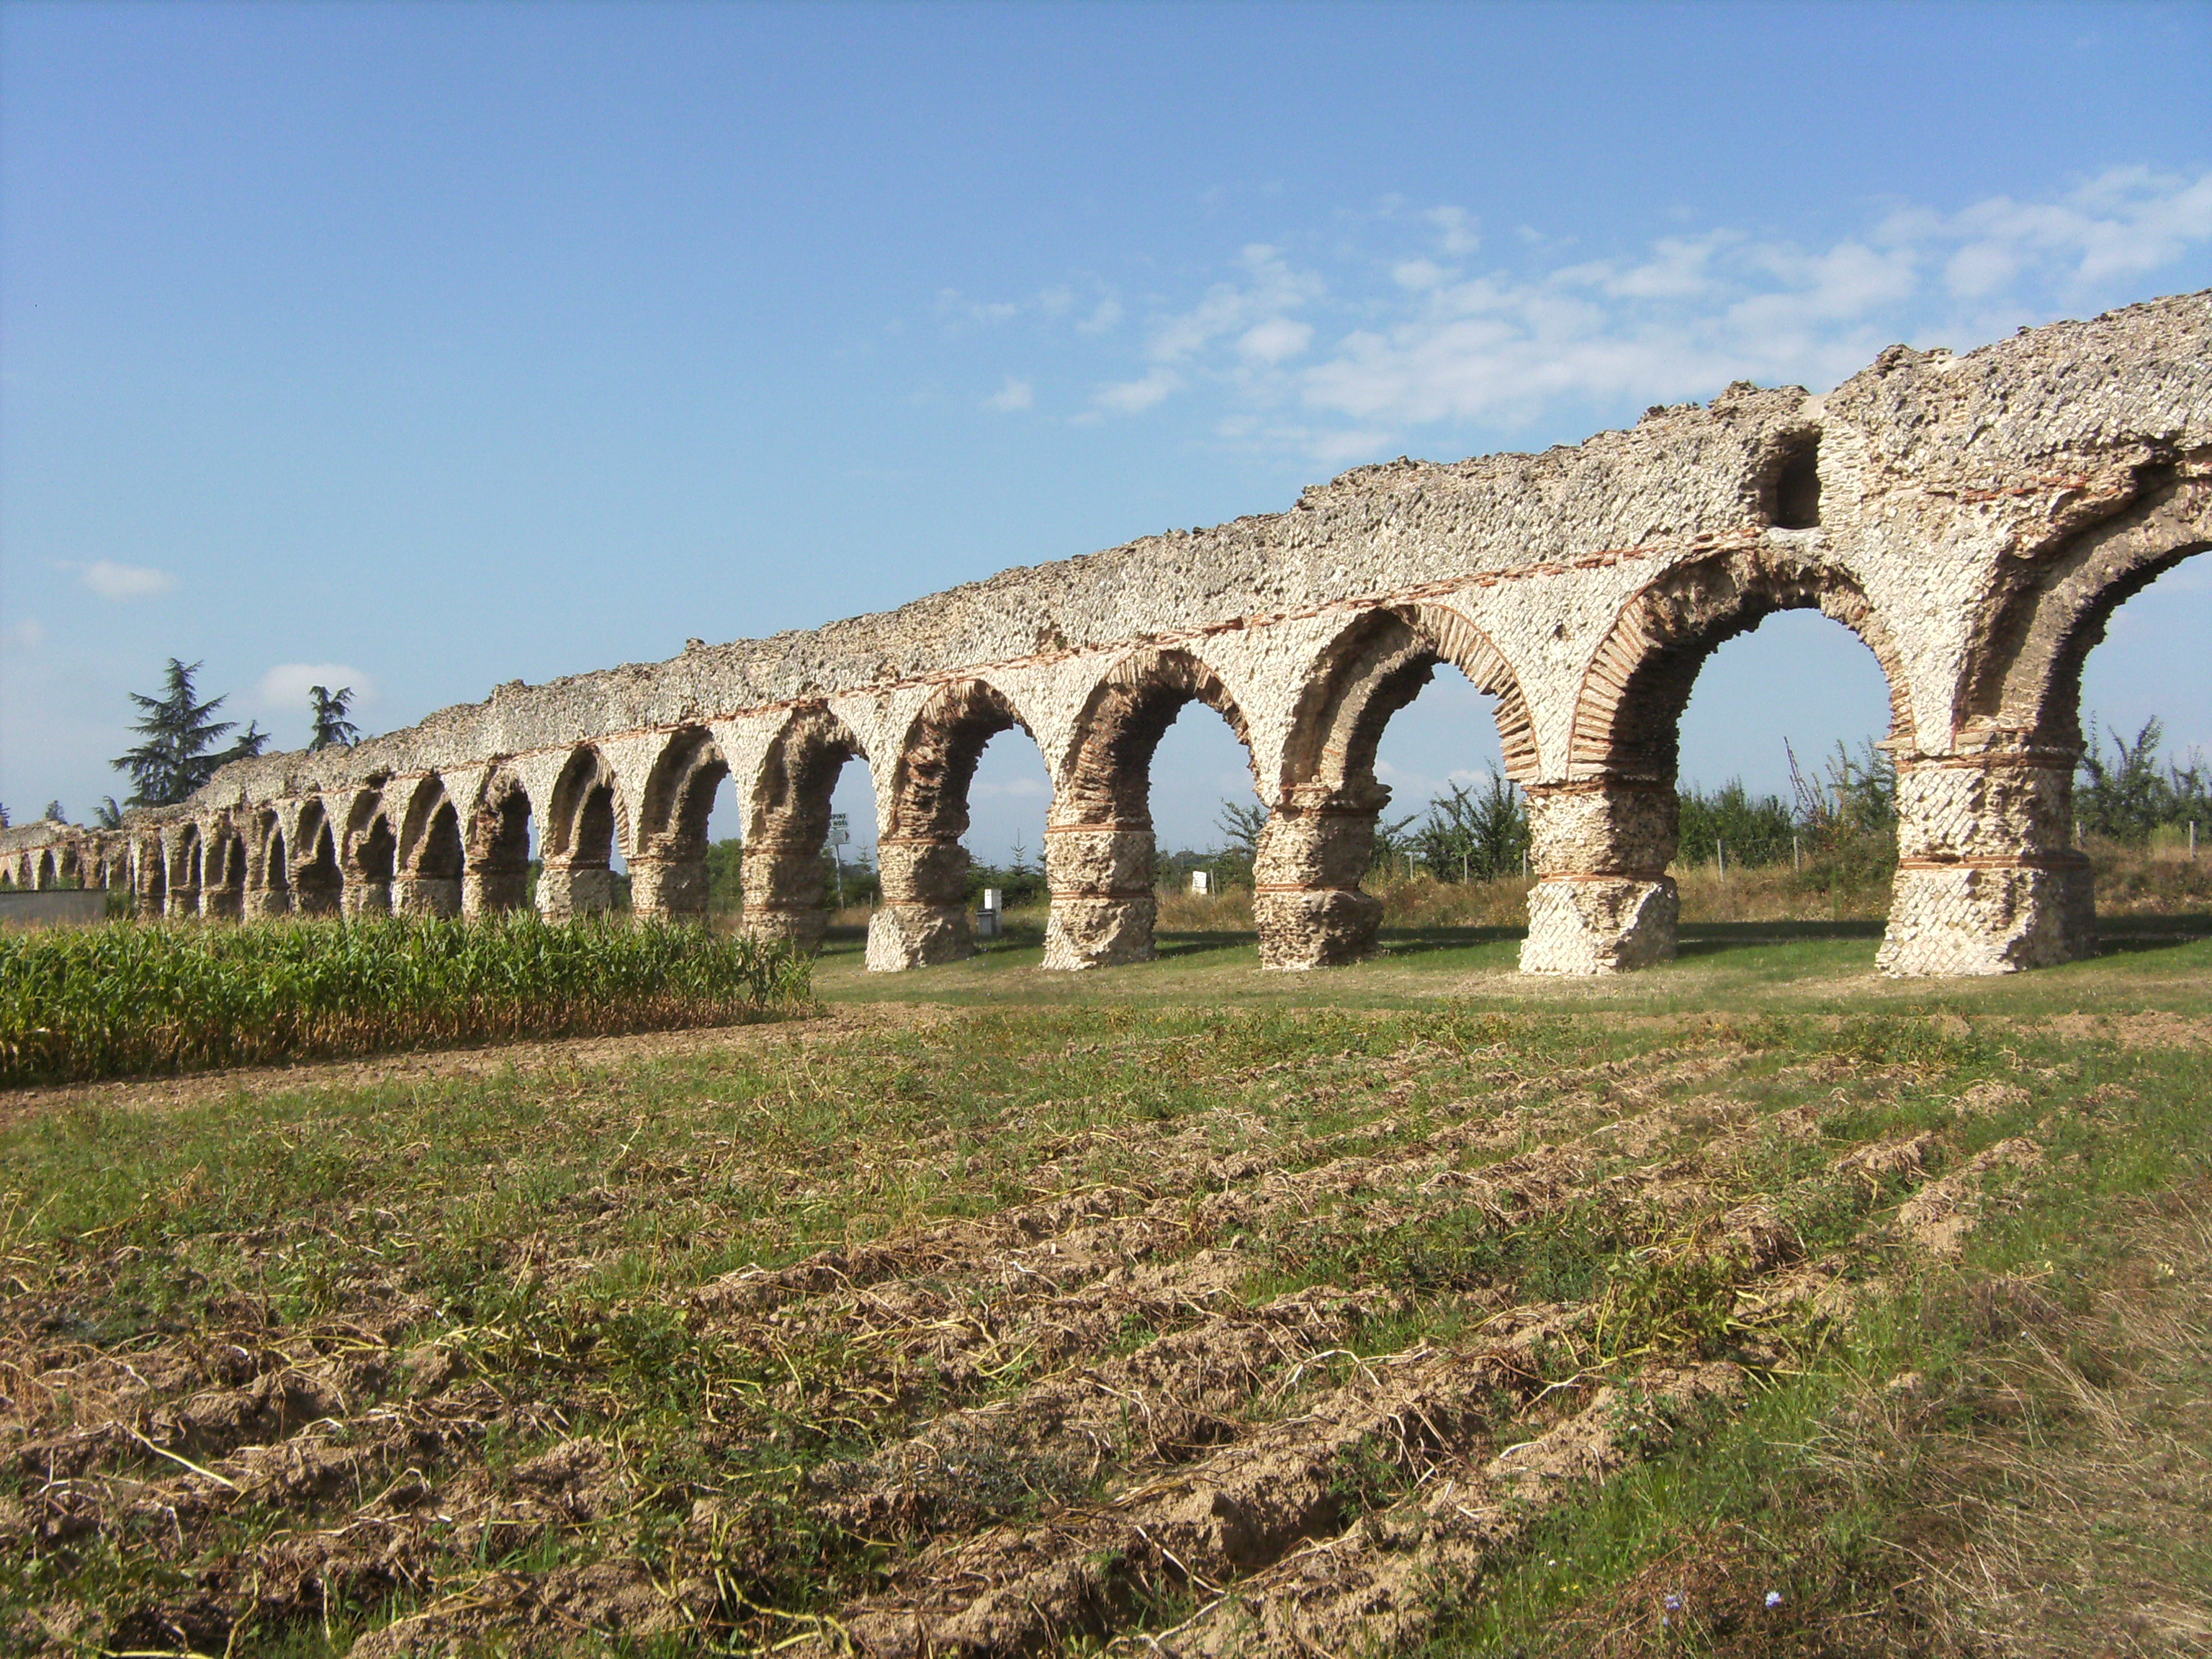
(841, 835)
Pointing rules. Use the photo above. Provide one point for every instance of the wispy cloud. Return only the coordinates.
(125, 582)
(1014, 395)
(1387, 342)
(29, 632)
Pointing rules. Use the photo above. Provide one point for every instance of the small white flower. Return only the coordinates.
(1774, 1598)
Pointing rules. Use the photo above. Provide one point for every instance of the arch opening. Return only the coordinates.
(153, 878)
(582, 837)
(1101, 852)
(225, 892)
(1602, 841)
(790, 872)
(791, 869)
(429, 857)
(497, 874)
(1992, 876)
(1322, 837)
(184, 855)
(670, 877)
(371, 858)
(318, 882)
(926, 870)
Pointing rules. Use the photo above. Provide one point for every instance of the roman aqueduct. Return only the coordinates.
(1975, 520)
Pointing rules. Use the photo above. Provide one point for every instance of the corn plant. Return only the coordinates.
(168, 997)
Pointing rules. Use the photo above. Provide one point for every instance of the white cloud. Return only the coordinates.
(1457, 229)
(1135, 396)
(1108, 314)
(284, 689)
(1419, 274)
(125, 582)
(29, 632)
(1015, 394)
(1275, 340)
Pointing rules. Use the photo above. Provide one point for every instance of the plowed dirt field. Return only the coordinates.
(1005, 1330)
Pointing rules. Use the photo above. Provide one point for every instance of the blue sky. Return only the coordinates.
(426, 347)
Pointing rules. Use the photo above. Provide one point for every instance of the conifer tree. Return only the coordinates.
(327, 709)
(180, 734)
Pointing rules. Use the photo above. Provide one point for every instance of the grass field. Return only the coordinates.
(1754, 1305)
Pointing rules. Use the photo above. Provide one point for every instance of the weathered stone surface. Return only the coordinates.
(1974, 519)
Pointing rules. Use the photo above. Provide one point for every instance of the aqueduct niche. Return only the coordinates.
(787, 827)
(1099, 848)
(269, 876)
(1975, 519)
(1320, 834)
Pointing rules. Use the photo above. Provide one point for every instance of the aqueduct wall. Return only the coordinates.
(1974, 519)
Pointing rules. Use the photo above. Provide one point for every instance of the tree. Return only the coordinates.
(107, 815)
(1473, 835)
(2131, 795)
(180, 732)
(4, 817)
(327, 709)
(1241, 823)
(54, 813)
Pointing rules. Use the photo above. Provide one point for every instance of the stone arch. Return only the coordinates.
(430, 855)
(1601, 840)
(1628, 715)
(1989, 880)
(318, 880)
(1373, 669)
(151, 879)
(668, 873)
(2023, 687)
(371, 855)
(497, 845)
(924, 917)
(181, 845)
(787, 823)
(585, 824)
(1320, 834)
(1100, 856)
(50, 874)
(223, 893)
(268, 884)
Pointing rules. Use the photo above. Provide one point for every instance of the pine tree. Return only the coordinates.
(327, 709)
(54, 813)
(179, 733)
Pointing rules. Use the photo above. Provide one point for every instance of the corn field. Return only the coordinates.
(134, 999)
